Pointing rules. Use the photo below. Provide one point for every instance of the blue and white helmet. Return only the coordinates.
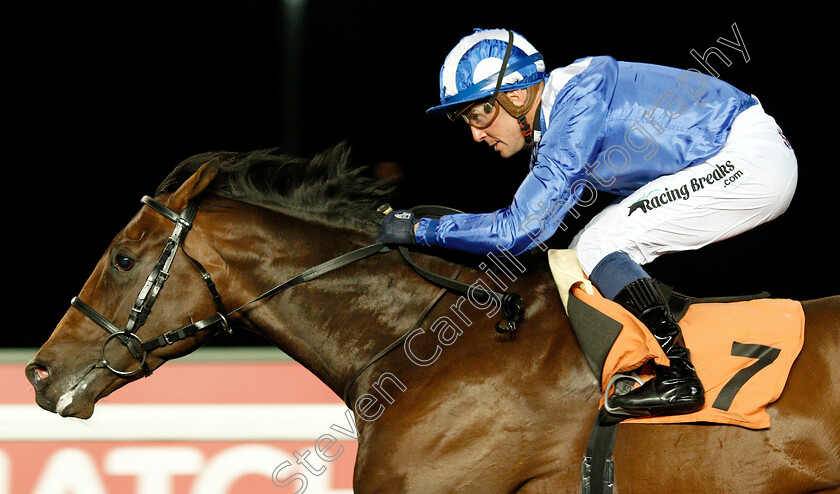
(471, 70)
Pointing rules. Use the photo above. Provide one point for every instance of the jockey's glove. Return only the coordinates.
(398, 228)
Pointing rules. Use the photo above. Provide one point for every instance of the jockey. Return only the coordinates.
(692, 159)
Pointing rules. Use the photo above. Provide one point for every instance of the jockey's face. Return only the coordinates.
(503, 134)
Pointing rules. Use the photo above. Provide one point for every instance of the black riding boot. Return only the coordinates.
(675, 389)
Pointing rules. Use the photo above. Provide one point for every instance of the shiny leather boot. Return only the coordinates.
(675, 389)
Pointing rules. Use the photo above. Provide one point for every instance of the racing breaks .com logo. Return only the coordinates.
(724, 173)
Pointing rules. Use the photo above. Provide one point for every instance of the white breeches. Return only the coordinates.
(749, 182)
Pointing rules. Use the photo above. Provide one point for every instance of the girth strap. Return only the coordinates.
(597, 472)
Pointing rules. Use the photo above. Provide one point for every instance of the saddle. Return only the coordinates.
(743, 347)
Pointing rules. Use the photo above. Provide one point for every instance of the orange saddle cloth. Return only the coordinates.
(743, 352)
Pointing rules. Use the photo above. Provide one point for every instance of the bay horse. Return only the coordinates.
(455, 408)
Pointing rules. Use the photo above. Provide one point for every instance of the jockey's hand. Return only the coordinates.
(398, 228)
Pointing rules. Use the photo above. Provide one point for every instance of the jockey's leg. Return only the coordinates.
(749, 182)
(674, 389)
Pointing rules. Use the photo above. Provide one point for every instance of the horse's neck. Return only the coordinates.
(334, 324)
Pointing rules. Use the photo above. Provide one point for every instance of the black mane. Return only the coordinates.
(325, 185)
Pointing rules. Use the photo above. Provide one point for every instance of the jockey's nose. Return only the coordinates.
(477, 134)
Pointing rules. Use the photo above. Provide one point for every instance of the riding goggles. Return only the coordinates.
(480, 116)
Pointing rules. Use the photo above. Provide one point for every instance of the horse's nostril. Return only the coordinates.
(37, 374)
(41, 372)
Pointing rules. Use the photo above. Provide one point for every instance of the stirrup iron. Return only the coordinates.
(620, 389)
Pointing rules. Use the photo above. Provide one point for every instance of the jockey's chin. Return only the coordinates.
(507, 150)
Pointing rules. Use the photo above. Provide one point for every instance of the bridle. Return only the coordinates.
(148, 294)
(512, 305)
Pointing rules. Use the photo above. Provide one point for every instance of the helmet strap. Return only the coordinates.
(489, 105)
(532, 137)
(520, 112)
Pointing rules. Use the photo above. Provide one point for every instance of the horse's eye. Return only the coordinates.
(123, 262)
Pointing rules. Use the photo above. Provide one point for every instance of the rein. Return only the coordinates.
(511, 304)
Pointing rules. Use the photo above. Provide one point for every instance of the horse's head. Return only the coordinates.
(105, 339)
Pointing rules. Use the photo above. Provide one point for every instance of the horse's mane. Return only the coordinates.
(328, 184)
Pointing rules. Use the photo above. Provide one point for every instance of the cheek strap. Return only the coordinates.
(519, 113)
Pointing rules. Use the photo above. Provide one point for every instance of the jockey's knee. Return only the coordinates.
(592, 247)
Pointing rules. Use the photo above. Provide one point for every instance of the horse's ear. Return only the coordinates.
(194, 185)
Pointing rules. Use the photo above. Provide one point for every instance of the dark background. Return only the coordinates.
(103, 100)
